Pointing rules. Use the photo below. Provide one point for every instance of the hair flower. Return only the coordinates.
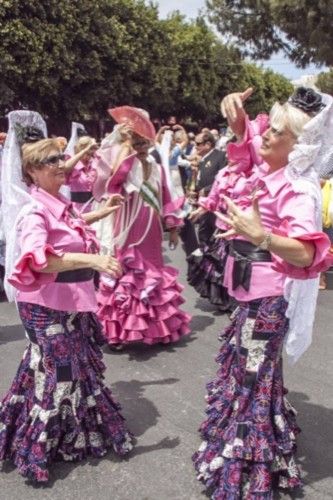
(307, 100)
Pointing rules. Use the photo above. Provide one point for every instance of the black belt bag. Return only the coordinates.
(77, 276)
(244, 253)
(81, 196)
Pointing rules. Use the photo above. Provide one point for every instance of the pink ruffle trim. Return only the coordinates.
(323, 259)
(26, 279)
(170, 211)
(143, 305)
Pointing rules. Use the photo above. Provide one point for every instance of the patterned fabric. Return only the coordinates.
(205, 273)
(58, 406)
(249, 435)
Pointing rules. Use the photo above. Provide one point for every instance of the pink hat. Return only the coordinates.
(137, 119)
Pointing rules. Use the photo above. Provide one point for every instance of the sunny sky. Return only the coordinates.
(278, 62)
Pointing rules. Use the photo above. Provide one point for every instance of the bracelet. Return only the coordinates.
(267, 241)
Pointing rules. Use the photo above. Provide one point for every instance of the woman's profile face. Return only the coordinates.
(276, 146)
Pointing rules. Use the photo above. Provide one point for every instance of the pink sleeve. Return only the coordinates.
(170, 207)
(73, 174)
(116, 181)
(34, 250)
(298, 214)
(211, 202)
(246, 153)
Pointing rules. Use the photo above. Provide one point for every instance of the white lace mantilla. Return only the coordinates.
(16, 199)
(308, 159)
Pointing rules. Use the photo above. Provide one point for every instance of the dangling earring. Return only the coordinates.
(36, 183)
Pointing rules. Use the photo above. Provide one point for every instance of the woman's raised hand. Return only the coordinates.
(125, 131)
(246, 224)
(232, 109)
(107, 264)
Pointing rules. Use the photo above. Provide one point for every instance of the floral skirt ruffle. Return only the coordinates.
(143, 305)
(249, 434)
(205, 273)
(58, 407)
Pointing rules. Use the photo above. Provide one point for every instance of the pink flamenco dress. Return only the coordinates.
(144, 304)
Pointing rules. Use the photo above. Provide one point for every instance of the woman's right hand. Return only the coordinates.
(107, 264)
(125, 132)
(232, 109)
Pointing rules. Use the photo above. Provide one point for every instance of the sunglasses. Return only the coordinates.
(199, 143)
(54, 160)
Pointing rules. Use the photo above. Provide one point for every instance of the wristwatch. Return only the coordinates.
(266, 242)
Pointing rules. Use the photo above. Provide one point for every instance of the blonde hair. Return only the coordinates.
(285, 115)
(83, 142)
(34, 153)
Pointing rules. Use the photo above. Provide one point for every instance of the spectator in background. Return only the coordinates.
(215, 134)
(211, 160)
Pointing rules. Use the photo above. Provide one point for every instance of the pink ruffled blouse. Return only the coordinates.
(286, 213)
(52, 229)
(244, 162)
(82, 180)
(82, 177)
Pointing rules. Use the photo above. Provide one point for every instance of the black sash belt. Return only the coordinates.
(77, 276)
(81, 196)
(244, 254)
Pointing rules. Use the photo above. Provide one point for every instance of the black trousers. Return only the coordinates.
(189, 237)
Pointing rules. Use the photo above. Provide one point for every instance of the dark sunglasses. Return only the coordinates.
(199, 143)
(54, 160)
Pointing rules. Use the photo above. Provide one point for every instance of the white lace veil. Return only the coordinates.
(312, 154)
(74, 138)
(16, 200)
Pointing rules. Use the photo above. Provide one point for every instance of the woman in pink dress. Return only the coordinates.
(142, 305)
(276, 250)
(206, 272)
(58, 407)
(83, 175)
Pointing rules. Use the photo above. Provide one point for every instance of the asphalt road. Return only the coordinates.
(162, 390)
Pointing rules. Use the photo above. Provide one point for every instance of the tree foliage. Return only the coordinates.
(71, 60)
(325, 82)
(302, 29)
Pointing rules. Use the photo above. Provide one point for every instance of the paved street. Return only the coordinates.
(162, 394)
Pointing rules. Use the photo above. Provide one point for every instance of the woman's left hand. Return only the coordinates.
(246, 224)
(114, 200)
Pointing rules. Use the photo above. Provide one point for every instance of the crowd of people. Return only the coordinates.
(82, 226)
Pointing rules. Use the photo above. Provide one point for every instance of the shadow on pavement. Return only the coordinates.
(140, 412)
(205, 306)
(315, 443)
(11, 333)
(166, 443)
(200, 322)
(144, 352)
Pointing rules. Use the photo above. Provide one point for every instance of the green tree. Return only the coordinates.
(71, 59)
(208, 70)
(325, 82)
(269, 87)
(302, 29)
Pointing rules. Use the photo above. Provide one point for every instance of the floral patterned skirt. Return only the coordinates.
(249, 434)
(57, 407)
